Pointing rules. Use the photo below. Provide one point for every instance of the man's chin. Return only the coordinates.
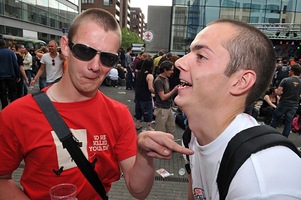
(179, 101)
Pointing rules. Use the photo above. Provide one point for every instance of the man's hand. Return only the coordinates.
(159, 144)
(32, 82)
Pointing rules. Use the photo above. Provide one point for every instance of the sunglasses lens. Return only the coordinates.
(86, 53)
(108, 59)
(83, 52)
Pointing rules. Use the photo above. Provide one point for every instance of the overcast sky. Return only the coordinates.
(143, 4)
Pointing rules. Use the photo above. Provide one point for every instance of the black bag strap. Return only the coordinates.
(240, 148)
(69, 142)
(186, 139)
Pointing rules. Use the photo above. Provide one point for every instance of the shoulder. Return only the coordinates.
(263, 171)
(45, 56)
(24, 106)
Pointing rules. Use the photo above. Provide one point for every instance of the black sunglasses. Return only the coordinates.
(53, 63)
(85, 53)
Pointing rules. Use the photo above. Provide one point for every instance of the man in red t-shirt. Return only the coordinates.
(103, 126)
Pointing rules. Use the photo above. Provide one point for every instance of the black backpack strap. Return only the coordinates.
(69, 142)
(186, 139)
(240, 148)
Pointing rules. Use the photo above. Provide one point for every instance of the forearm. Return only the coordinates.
(23, 72)
(39, 73)
(10, 190)
(142, 176)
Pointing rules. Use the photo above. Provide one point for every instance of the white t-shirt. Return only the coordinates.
(27, 61)
(273, 173)
(113, 74)
(53, 66)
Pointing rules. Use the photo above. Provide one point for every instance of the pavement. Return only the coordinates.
(173, 187)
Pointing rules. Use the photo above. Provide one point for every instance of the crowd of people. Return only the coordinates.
(229, 66)
(22, 66)
(280, 104)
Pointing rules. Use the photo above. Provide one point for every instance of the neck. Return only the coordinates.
(162, 75)
(53, 54)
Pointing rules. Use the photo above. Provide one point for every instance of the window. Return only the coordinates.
(107, 2)
(87, 1)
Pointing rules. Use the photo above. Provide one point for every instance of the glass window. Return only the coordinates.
(42, 17)
(62, 10)
(181, 2)
(211, 13)
(298, 6)
(74, 2)
(88, 1)
(255, 7)
(254, 19)
(227, 13)
(180, 14)
(230, 3)
(213, 3)
(29, 1)
(106, 2)
(12, 9)
(43, 3)
(291, 6)
(54, 6)
(178, 39)
(53, 20)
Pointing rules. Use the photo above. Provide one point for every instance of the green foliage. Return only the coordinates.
(128, 38)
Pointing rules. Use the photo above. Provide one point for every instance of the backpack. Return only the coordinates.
(240, 148)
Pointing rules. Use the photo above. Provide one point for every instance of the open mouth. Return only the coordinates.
(184, 83)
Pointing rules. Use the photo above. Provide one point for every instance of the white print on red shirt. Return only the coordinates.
(100, 143)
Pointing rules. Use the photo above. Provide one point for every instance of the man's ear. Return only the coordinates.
(64, 46)
(243, 81)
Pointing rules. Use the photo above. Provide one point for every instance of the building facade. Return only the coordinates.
(279, 19)
(137, 21)
(37, 19)
(118, 8)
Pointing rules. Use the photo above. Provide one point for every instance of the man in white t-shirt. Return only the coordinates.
(27, 61)
(52, 63)
(230, 64)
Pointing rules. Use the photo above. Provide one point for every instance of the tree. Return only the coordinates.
(128, 38)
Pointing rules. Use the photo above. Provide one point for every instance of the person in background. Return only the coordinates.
(270, 102)
(121, 75)
(39, 53)
(129, 73)
(143, 95)
(112, 77)
(121, 55)
(165, 120)
(157, 59)
(23, 81)
(289, 91)
(103, 126)
(27, 61)
(9, 73)
(281, 72)
(52, 64)
(229, 66)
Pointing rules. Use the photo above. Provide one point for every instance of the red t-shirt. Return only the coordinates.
(104, 127)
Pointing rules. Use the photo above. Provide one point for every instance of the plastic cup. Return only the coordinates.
(65, 191)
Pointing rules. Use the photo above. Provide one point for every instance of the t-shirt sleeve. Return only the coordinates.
(10, 154)
(126, 140)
